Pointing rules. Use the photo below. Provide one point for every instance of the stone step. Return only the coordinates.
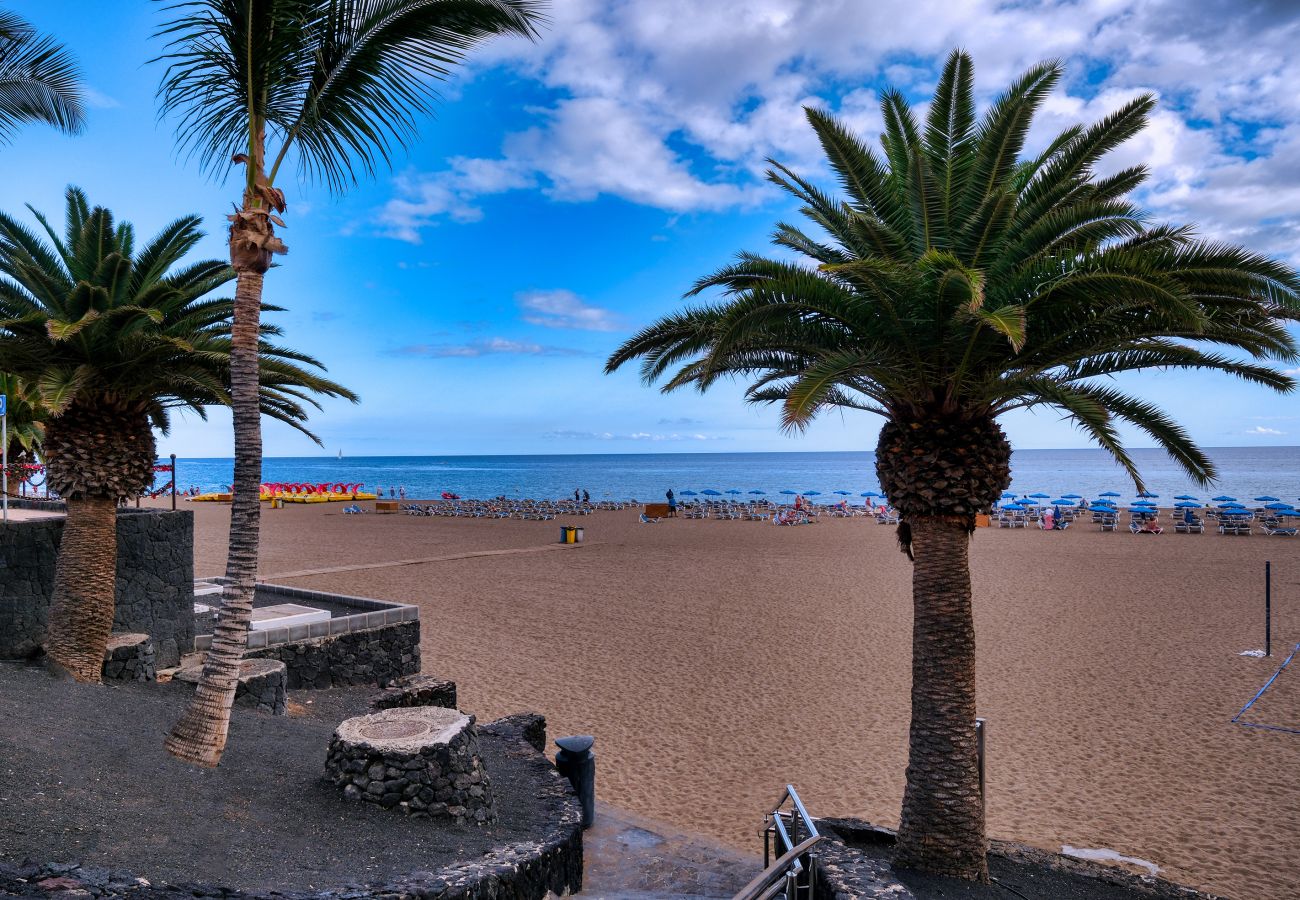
(129, 657)
(262, 683)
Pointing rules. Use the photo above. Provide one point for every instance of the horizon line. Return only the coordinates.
(325, 456)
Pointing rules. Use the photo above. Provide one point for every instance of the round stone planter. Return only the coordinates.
(422, 761)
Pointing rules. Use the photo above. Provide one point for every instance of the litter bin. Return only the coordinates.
(577, 534)
(566, 534)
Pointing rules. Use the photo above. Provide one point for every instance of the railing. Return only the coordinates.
(788, 834)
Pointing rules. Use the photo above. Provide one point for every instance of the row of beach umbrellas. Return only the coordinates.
(1145, 499)
(710, 492)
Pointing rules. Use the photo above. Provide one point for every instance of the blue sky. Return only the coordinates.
(568, 192)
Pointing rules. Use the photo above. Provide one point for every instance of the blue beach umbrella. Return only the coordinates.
(1232, 505)
(812, 493)
(1278, 505)
(1072, 496)
(1148, 494)
(1186, 505)
(843, 493)
(1011, 506)
(1008, 494)
(1185, 497)
(710, 492)
(1041, 496)
(871, 494)
(1224, 499)
(756, 491)
(689, 494)
(1110, 494)
(790, 492)
(734, 491)
(1064, 501)
(1098, 507)
(1267, 499)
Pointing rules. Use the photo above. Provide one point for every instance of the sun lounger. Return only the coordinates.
(646, 520)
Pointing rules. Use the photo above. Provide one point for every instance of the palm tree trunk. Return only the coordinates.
(85, 579)
(200, 736)
(942, 827)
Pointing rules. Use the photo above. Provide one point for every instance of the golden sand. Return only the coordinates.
(717, 661)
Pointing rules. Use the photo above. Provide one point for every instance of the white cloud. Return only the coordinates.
(487, 347)
(675, 104)
(1261, 430)
(653, 437)
(564, 309)
(98, 99)
(423, 199)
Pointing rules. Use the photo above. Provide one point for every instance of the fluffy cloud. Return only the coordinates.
(489, 347)
(654, 437)
(1260, 430)
(681, 118)
(564, 309)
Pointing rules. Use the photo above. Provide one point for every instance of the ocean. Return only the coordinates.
(1244, 472)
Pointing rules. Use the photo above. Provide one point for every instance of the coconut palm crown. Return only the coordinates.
(953, 279)
(113, 338)
(39, 81)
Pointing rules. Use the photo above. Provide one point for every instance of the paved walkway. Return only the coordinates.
(633, 858)
(393, 563)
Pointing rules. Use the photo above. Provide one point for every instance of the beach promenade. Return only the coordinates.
(716, 661)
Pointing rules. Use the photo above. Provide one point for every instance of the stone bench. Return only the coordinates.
(129, 657)
(415, 690)
(262, 684)
(422, 761)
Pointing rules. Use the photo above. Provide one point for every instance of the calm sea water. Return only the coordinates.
(1243, 472)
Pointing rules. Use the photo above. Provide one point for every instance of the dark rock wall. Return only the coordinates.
(372, 656)
(155, 581)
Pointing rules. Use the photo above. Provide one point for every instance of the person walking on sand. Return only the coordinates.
(401, 492)
(672, 504)
(586, 498)
(577, 497)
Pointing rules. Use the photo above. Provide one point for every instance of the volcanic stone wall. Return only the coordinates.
(372, 656)
(155, 581)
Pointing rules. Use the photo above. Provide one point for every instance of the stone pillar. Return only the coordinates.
(422, 761)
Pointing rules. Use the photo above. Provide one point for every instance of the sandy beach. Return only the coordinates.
(717, 661)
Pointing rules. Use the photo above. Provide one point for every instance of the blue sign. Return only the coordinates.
(3, 403)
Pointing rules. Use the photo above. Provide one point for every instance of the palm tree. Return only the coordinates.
(341, 84)
(39, 81)
(954, 281)
(113, 339)
(25, 419)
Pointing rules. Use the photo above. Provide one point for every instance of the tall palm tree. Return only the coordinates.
(114, 338)
(39, 81)
(340, 84)
(954, 281)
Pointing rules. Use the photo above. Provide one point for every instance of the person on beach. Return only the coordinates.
(576, 497)
(586, 498)
(672, 504)
(401, 492)
(392, 493)
(1151, 526)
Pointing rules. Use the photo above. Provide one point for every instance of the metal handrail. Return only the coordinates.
(782, 834)
(776, 880)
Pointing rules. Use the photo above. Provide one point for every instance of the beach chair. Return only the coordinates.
(1277, 529)
(646, 520)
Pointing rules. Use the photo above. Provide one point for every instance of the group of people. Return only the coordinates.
(581, 496)
(394, 493)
